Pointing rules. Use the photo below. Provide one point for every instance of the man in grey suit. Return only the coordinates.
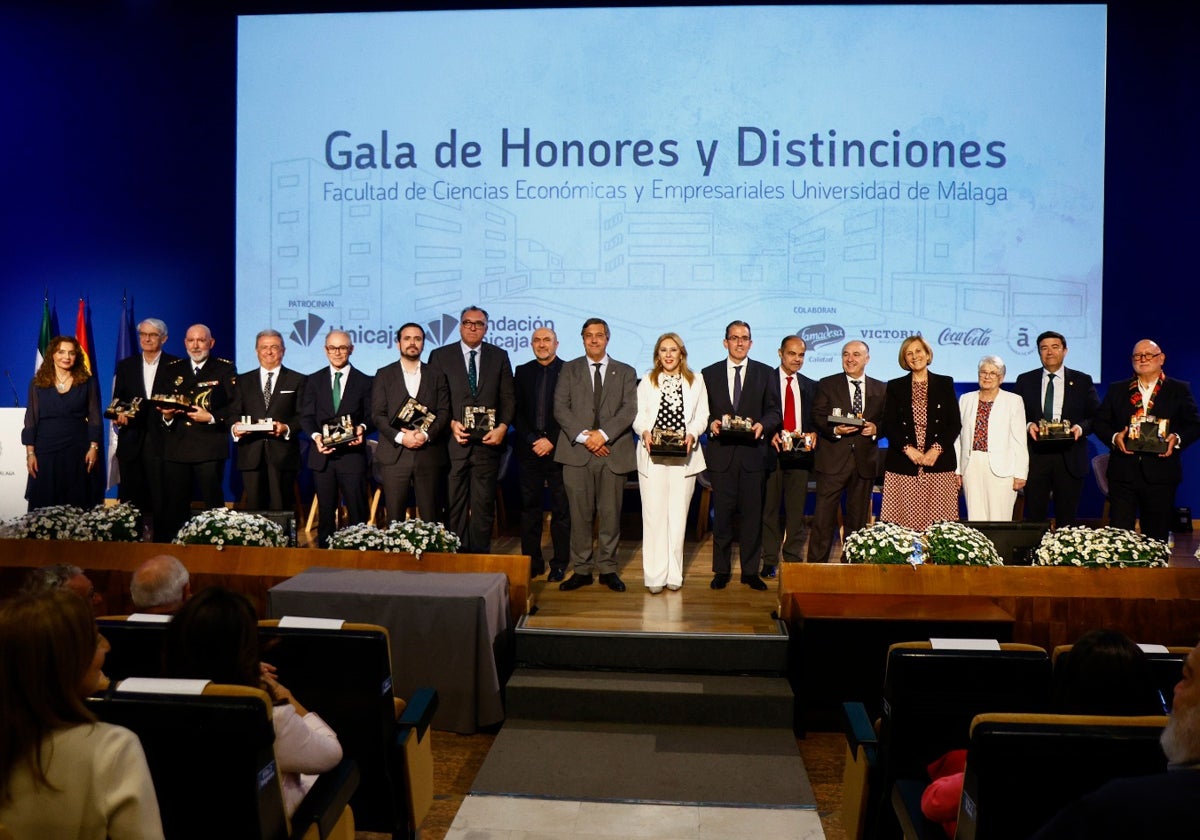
(411, 455)
(595, 403)
(477, 374)
(268, 460)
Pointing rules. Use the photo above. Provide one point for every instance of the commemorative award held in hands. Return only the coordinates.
(478, 420)
(737, 429)
(123, 408)
(838, 418)
(795, 445)
(413, 416)
(665, 442)
(1148, 434)
(338, 431)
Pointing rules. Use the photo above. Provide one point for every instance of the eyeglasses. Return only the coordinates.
(737, 339)
(473, 325)
(338, 348)
(1145, 357)
(149, 335)
(989, 373)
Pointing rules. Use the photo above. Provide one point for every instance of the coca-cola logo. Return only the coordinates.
(973, 337)
(815, 335)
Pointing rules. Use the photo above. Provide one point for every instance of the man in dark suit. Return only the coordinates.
(140, 438)
(478, 374)
(337, 390)
(595, 404)
(845, 458)
(1144, 482)
(739, 387)
(1056, 468)
(787, 478)
(537, 432)
(268, 460)
(416, 456)
(196, 445)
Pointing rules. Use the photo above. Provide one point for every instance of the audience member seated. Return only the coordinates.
(1104, 673)
(1160, 806)
(214, 636)
(160, 586)
(62, 774)
(63, 576)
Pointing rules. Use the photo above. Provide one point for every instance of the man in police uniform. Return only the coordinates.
(196, 439)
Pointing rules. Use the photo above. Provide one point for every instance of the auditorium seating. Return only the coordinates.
(212, 759)
(929, 699)
(1166, 669)
(136, 647)
(1023, 768)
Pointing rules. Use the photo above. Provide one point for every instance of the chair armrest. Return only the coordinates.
(418, 714)
(325, 801)
(906, 802)
(859, 731)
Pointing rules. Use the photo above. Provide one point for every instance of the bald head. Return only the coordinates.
(161, 585)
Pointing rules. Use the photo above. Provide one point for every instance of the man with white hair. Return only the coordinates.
(160, 586)
(1159, 806)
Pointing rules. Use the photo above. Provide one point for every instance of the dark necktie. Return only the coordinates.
(267, 391)
(737, 386)
(856, 402)
(337, 390)
(1048, 406)
(789, 408)
(473, 375)
(597, 388)
(196, 370)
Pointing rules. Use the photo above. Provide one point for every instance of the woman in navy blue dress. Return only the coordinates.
(62, 428)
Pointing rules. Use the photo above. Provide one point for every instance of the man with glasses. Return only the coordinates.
(478, 374)
(140, 443)
(1142, 482)
(337, 390)
(1056, 468)
(739, 387)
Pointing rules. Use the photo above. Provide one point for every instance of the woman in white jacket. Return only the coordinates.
(993, 457)
(669, 396)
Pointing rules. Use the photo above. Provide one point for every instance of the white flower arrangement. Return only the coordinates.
(884, 543)
(222, 526)
(1101, 547)
(955, 544)
(412, 536)
(118, 523)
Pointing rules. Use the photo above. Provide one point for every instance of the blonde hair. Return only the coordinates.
(683, 365)
(909, 342)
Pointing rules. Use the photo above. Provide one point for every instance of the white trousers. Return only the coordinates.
(666, 497)
(990, 498)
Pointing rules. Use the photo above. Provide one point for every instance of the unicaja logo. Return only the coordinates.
(442, 330)
(306, 330)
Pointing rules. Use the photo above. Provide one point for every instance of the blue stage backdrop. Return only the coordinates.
(127, 175)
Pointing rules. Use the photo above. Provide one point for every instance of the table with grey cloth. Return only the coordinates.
(447, 630)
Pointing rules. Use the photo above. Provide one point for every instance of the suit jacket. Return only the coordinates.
(1175, 403)
(258, 448)
(1008, 454)
(187, 441)
(316, 407)
(1080, 402)
(144, 430)
(808, 398)
(839, 456)
(525, 380)
(695, 419)
(618, 408)
(760, 401)
(495, 380)
(388, 396)
(942, 419)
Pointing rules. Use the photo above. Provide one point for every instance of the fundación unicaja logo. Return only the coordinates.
(306, 330)
(442, 330)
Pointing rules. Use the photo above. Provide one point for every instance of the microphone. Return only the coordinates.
(16, 396)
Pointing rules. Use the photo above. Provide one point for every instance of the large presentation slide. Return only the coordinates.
(840, 173)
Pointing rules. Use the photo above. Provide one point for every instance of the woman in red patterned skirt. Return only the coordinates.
(921, 422)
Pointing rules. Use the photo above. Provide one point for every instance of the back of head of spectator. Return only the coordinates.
(214, 636)
(1181, 738)
(50, 659)
(63, 576)
(1105, 673)
(161, 585)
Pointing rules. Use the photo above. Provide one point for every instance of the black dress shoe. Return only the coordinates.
(556, 574)
(537, 569)
(754, 582)
(719, 581)
(613, 581)
(768, 572)
(575, 581)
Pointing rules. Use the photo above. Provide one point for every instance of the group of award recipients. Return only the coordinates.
(443, 430)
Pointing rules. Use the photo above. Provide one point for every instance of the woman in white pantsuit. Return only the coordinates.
(993, 457)
(669, 396)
